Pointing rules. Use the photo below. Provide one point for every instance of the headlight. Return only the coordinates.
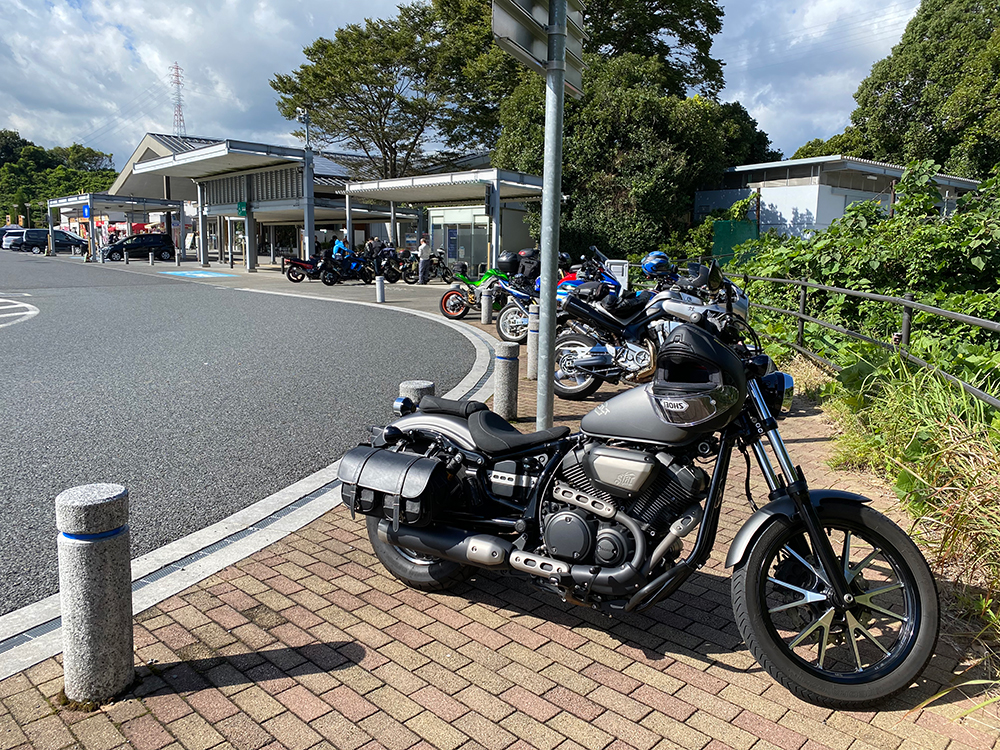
(778, 389)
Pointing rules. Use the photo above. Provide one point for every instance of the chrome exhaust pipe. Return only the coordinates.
(482, 550)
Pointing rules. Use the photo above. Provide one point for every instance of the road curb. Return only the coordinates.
(33, 633)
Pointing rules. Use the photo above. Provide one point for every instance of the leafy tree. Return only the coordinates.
(679, 32)
(11, 144)
(373, 89)
(476, 74)
(633, 154)
(82, 158)
(935, 96)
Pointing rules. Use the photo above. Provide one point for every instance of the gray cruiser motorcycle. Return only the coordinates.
(832, 598)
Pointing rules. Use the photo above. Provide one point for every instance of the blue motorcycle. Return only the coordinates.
(353, 266)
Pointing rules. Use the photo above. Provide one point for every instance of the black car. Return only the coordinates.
(140, 246)
(37, 240)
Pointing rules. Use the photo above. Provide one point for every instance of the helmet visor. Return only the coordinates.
(686, 408)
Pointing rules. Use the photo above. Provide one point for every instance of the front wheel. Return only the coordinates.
(115, 255)
(329, 278)
(454, 305)
(569, 383)
(410, 275)
(447, 276)
(512, 324)
(416, 569)
(391, 274)
(166, 255)
(366, 275)
(845, 658)
(295, 274)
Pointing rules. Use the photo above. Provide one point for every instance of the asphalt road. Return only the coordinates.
(201, 400)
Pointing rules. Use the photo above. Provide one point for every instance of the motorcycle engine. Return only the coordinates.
(654, 488)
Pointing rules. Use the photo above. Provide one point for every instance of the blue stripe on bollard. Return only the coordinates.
(94, 537)
(508, 359)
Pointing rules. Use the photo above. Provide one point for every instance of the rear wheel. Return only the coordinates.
(295, 274)
(391, 274)
(36, 250)
(115, 255)
(849, 657)
(366, 275)
(165, 254)
(454, 305)
(569, 383)
(410, 275)
(416, 569)
(512, 324)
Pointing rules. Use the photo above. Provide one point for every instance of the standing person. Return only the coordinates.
(424, 254)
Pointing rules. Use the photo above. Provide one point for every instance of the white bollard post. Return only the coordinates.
(487, 308)
(416, 390)
(177, 259)
(505, 378)
(150, 259)
(95, 591)
(125, 255)
(533, 342)
(380, 288)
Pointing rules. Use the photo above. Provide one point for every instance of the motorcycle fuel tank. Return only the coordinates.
(632, 416)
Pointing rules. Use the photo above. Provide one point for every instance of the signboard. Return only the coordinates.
(452, 243)
(520, 28)
(241, 208)
(86, 211)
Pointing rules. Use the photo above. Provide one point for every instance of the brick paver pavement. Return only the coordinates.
(311, 644)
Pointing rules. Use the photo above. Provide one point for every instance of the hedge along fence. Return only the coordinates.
(907, 304)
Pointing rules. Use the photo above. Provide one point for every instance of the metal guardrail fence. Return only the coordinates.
(907, 304)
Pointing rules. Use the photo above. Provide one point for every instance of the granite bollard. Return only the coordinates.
(486, 318)
(505, 377)
(380, 288)
(416, 390)
(533, 342)
(95, 591)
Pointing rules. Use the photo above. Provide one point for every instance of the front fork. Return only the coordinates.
(792, 482)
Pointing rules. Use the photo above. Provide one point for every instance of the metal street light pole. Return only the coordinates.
(555, 79)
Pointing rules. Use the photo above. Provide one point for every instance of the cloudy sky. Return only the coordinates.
(96, 71)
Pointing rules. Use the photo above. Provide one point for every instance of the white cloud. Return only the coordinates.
(795, 65)
(96, 72)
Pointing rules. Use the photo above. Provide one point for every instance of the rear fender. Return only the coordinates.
(455, 429)
(748, 534)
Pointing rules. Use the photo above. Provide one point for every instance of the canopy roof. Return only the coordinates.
(233, 156)
(102, 203)
(451, 187)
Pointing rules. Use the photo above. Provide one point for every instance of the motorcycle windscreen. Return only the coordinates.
(686, 408)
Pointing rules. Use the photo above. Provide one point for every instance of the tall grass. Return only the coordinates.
(942, 448)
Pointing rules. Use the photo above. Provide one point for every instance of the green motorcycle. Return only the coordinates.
(456, 303)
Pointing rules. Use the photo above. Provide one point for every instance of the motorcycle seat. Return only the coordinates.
(494, 434)
(463, 409)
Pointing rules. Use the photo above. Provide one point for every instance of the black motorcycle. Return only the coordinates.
(832, 598)
(386, 265)
(317, 268)
(613, 339)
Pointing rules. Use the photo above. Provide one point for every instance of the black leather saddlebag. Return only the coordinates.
(393, 485)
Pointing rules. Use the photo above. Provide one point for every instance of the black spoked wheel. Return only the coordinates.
(391, 274)
(838, 657)
(366, 275)
(410, 275)
(415, 569)
(295, 274)
(568, 382)
(329, 277)
(512, 324)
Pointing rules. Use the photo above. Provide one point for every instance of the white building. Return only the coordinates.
(808, 194)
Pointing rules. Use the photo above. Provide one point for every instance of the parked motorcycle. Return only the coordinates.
(318, 268)
(607, 343)
(438, 268)
(512, 322)
(386, 265)
(832, 598)
(354, 266)
(456, 303)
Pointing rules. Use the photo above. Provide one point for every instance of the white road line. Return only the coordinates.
(20, 316)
